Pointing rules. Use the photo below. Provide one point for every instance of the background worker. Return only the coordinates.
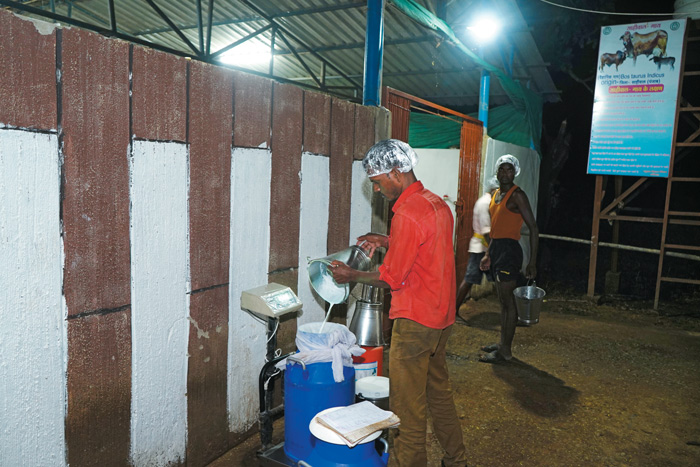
(479, 243)
(419, 269)
(509, 208)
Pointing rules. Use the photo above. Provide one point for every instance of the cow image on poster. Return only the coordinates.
(616, 58)
(670, 61)
(637, 44)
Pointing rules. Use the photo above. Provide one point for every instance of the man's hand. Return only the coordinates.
(341, 272)
(531, 271)
(371, 241)
(485, 263)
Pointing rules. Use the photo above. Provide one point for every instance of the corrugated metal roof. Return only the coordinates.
(417, 60)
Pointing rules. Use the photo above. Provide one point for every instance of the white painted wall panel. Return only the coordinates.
(361, 203)
(251, 172)
(159, 301)
(438, 170)
(313, 230)
(32, 312)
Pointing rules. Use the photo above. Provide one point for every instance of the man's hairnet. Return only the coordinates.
(387, 155)
(491, 184)
(508, 159)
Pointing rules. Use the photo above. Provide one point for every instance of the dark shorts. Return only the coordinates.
(506, 259)
(474, 274)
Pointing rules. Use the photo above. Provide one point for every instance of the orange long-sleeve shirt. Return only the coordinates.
(419, 265)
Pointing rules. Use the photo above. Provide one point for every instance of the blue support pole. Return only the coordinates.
(484, 93)
(374, 53)
(484, 97)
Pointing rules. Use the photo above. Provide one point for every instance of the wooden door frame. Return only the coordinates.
(470, 149)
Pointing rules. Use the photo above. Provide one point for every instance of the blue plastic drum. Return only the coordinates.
(306, 393)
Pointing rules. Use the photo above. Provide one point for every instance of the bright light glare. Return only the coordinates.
(485, 28)
(247, 54)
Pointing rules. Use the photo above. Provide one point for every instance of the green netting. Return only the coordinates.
(525, 102)
(432, 131)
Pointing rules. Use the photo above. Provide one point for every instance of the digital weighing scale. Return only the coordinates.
(270, 301)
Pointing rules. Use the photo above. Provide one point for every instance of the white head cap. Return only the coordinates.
(508, 159)
(387, 155)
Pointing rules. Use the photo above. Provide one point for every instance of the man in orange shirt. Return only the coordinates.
(509, 208)
(419, 269)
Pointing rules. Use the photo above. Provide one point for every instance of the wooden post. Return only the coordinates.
(598, 197)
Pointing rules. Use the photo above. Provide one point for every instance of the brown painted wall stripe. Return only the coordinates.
(95, 118)
(207, 419)
(28, 84)
(159, 107)
(342, 133)
(252, 106)
(99, 390)
(211, 94)
(364, 130)
(210, 122)
(95, 102)
(317, 123)
(285, 194)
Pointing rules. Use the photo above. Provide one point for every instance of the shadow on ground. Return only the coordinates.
(537, 391)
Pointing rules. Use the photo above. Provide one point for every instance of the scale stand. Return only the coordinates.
(269, 455)
(270, 301)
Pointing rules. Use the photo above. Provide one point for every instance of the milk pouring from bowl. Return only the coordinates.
(322, 280)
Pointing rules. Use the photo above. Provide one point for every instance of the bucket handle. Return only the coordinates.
(385, 443)
(297, 360)
(320, 260)
(303, 464)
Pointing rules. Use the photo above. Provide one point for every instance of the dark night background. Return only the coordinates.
(568, 41)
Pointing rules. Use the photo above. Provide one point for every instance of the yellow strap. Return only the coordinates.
(481, 237)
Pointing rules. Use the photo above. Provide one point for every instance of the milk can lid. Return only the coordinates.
(372, 387)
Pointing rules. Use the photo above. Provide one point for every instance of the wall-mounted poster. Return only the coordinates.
(636, 92)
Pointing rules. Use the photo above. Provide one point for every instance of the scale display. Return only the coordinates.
(270, 300)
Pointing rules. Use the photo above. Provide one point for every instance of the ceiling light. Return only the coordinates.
(484, 28)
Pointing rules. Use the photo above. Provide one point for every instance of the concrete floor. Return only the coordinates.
(603, 385)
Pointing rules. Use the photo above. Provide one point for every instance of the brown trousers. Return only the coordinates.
(419, 380)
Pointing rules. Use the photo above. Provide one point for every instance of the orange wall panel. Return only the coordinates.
(342, 145)
(95, 120)
(211, 128)
(28, 84)
(285, 191)
(99, 389)
(252, 106)
(317, 123)
(159, 100)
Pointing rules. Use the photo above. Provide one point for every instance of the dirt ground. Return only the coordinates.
(611, 384)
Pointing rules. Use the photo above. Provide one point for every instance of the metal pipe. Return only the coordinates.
(621, 247)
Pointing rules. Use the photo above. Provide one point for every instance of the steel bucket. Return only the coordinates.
(322, 280)
(528, 301)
